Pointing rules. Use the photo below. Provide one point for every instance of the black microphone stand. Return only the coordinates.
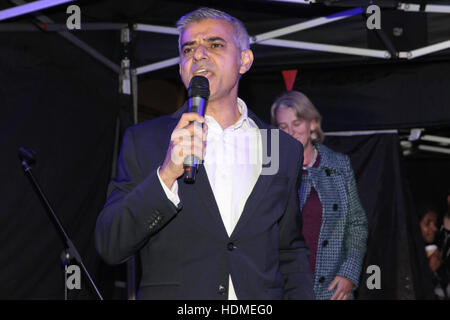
(71, 251)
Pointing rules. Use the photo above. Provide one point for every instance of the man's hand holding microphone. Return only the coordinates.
(188, 140)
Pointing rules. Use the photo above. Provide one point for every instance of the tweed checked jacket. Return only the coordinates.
(343, 233)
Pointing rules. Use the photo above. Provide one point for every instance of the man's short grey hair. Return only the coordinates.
(240, 34)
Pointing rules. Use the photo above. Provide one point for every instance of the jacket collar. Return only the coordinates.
(327, 163)
(261, 124)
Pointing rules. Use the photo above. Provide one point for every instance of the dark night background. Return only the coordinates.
(66, 106)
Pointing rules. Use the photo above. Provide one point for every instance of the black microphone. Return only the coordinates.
(198, 93)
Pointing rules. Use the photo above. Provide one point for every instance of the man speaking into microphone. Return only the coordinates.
(233, 230)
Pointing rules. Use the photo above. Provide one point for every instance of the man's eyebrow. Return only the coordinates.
(188, 43)
(209, 40)
(213, 39)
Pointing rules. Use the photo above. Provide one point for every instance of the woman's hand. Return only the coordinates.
(343, 288)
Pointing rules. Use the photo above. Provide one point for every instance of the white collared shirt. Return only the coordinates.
(233, 163)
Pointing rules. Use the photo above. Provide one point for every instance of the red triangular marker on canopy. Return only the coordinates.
(289, 78)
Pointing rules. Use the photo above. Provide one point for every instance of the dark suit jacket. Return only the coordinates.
(185, 251)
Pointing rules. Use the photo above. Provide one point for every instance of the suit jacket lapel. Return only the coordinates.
(202, 186)
(204, 191)
(263, 182)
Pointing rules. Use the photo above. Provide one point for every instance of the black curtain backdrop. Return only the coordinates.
(361, 97)
(394, 242)
(429, 178)
(58, 101)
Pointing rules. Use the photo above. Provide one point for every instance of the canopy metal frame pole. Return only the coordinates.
(433, 149)
(429, 8)
(77, 42)
(305, 25)
(305, 2)
(266, 39)
(155, 29)
(57, 27)
(359, 133)
(406, 145)
(424, 50)
(29, 7)
(383, 54)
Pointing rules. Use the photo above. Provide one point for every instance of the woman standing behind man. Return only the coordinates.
(334, 222)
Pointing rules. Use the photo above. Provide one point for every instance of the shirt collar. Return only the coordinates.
(244, 121)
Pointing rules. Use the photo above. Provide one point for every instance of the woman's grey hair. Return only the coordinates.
(240, 34)
(303, 108)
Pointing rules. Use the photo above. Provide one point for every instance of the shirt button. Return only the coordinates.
(231, 246)
(335, 207)
(222, 289)
(322, 279)
(324, 243)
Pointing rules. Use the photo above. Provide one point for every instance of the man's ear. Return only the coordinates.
(246, 61)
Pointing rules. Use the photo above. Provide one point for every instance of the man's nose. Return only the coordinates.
(200, 53)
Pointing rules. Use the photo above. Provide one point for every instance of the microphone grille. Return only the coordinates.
(199, 87)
